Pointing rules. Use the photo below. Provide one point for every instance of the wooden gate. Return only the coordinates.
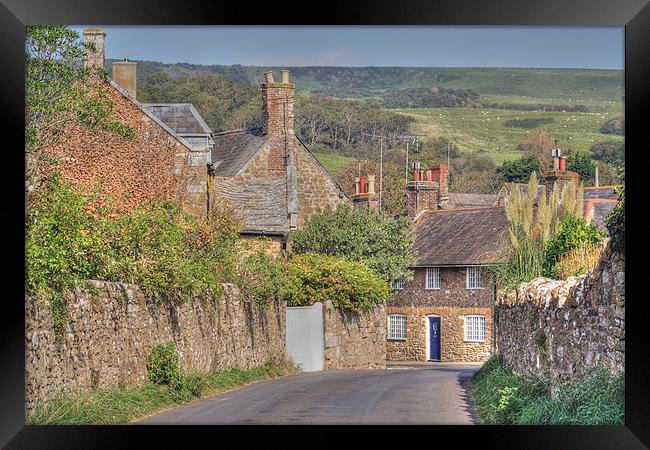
(305, 336)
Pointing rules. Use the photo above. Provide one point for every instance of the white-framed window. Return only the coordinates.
(432, 279)
(398, 284)
(474, 279)
(397, 326)
(475, 328)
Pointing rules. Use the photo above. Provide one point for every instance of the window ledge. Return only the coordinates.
(472, 340)
(396, 339)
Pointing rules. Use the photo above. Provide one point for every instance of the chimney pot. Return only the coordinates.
(371, 184)
(563, 164)
(362, 183)
(269, 76)
(429, 176)
(285, 76)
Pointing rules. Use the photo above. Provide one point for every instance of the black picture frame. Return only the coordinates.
(634, 15)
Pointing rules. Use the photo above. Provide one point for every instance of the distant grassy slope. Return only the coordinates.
(569, 84)
(483, 130)
(332, 162)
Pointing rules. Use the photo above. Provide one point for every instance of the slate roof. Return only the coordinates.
(600, 192)
(458, 237)
(182, 118)
(262, 203)
(462, 200)
(233, 149)
(597, 209)
(507, 188)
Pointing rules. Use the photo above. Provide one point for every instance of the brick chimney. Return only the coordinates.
(277, 105)
(559, 176)
(440, 174)
(364, 195)
(124, 74)
(422, 193)
(94, 59)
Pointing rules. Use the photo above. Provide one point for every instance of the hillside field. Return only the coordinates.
(483, 130)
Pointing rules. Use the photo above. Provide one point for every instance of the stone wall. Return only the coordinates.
(353, 340)
(453, 346)
(566, 327)
(112, 331)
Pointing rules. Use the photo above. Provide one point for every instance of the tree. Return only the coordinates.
(539, 145)
(581, 163)
(519, 170)
(475, 182)
(610, 152)
(383, 244)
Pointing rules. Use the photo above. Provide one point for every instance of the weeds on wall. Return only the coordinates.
(504, 397)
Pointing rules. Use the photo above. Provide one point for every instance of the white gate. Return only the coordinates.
(305, 336)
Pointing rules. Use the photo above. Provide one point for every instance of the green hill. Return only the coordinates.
(345, 82)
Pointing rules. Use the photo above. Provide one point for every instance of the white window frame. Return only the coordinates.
(477, 275)
(474, 328)
(397, 327)
(435, 277)
(397, 285)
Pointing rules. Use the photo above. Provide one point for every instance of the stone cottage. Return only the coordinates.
(445, 312)
(268, 175)
(156, 163)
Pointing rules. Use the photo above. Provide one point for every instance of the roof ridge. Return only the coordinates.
(475, 208)
(237, 130)
(611, 186)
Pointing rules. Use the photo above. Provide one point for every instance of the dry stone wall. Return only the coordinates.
(566, 327)
(354, 340)
(112, 331)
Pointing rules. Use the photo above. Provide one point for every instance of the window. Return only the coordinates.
(397, 285)
(396, 326)
(475, 328)
(474, 280)
(432, 278)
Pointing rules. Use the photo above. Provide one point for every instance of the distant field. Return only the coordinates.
(483, 130)
(333, 163)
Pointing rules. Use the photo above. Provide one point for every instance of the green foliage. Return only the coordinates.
(383, 244)
(71, 237)
(574, 233)
(421, 97)
(614, 126)
(610, 152)
(581, 163)
(519, 170)
(119, 406)
(348, 284)
(162, 364)
(503, 397)
(616, 223)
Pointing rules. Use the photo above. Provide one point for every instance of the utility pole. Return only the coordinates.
(381, 168)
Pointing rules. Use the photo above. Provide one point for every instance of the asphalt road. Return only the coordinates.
(432, 393)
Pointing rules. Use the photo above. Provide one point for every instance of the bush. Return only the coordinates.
(574, 233)
(528, 123)
(504, 397)
(578, 261)
(383, 244)
(162, 364)
(519, 170)
(348, 284)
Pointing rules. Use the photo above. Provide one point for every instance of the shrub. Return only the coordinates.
(383, 244)
(519, 170)
(528, 123)
(574, 233)
(578, 261)
(348, 284)
(162, 364)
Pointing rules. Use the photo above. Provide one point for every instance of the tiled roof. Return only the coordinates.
(180, 117)
(461, 200)
(596, 210)
(600, 192)
(460, 236)
(262, 203)
(233, 149)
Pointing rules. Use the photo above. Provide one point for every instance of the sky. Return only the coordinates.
(406, 46)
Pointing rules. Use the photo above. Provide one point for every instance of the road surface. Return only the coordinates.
(416, 393)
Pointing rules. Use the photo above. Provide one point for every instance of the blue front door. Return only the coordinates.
(434, 338)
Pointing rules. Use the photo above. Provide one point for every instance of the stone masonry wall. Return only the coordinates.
(451, 302)
(566, 327)
(353, 340)
(453, 346)
(111, 333)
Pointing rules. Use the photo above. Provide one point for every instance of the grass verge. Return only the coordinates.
(504, 397)
(119, 406)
